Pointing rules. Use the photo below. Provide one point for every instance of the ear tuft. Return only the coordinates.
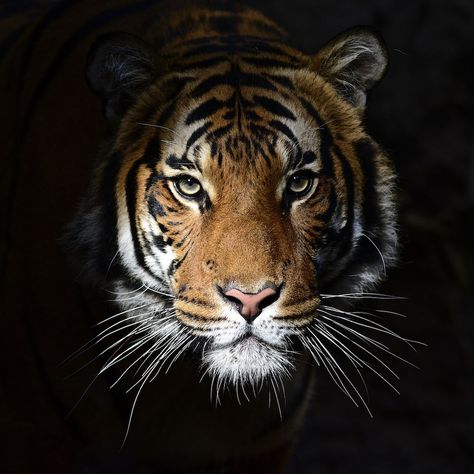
(119, 67)
(353, 62)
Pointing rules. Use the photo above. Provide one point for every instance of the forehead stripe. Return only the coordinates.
(274, 107)
(204, 110)
(271, 63)
(234, 77)
(205, 63)
(197, 134)
(179, 163)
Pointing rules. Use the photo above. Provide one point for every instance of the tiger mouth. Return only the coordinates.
(249, 339)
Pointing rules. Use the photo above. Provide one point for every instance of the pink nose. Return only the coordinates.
(250, 305)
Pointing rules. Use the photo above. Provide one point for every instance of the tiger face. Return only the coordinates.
(238, 187)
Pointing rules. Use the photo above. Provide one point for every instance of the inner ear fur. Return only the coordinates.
(353, 62)
(119, 67)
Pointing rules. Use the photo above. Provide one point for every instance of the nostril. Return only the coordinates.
(235, 301)
(268, 300)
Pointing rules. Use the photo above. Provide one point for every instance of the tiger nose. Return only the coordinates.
(250, 305)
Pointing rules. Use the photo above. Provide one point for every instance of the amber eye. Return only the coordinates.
(188, 186)
(300, 183)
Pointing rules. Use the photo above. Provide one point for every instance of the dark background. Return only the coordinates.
(422, 114)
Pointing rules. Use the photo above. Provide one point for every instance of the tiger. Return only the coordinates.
(236, 195)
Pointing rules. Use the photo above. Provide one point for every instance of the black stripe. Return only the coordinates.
(274, 107)
(326, 139)
(219, 132)
(159, 242)
(154, 206)
(233, 44)
(205, 63)
(234, 78)
(176, 264)
(197, 134)
(270, 63)
(308, 158)
(371, 212)
(255, 80)
(282, 80)
(179, 163)
(260, 150)
(180, 243)
(153, 152)
(230, 39)
(196, 317)
(131, 191)
(261, 132)
(195, 301)
(212, 82)
(204, 110)
(281, 127)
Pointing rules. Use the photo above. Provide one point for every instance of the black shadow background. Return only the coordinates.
(421, 113)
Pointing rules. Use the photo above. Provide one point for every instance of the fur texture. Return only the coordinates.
(222, 100)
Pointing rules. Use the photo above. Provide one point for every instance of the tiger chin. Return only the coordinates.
(237, 187)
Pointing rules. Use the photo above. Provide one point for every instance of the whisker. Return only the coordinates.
(376, 326)
(363, 338)
(373, 325)
(125, 312)
(365, 364)
(391, 312)
(375, 296)
(158, 292)
(152, 125)
(120, 300)
(276, 397)
(378, 250)
(131, 412)
(100, 354)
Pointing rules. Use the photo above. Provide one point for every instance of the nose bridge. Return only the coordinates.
(247, 244)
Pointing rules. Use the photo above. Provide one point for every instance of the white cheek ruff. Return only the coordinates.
(158, 261)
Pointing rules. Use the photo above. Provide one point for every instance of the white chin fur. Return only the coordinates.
(248, 361)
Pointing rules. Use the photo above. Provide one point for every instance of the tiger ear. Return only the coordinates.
(353, 62)
(119, 68)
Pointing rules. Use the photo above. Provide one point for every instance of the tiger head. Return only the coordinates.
(237, 187)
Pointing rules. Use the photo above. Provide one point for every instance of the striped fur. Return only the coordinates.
(218, 95)
(227, 102)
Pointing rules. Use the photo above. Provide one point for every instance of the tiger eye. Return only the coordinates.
(188, 186)
(300, 183)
